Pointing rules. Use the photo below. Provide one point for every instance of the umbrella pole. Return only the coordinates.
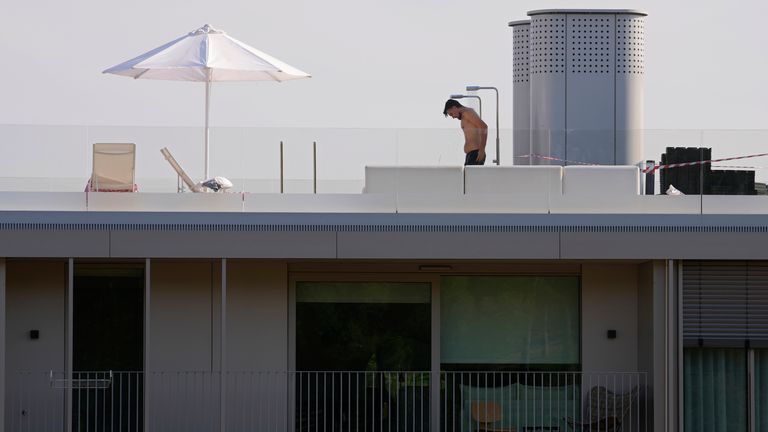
(207, 133)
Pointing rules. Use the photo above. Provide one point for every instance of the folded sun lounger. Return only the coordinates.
(114, 168)
(182, 174)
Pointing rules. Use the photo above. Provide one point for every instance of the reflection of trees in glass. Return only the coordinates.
(510, 319)
(362, 336)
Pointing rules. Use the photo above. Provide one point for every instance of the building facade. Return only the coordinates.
(397, 309)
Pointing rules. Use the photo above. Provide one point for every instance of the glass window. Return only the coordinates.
(363, 326)
(361, 349)
(510, 320)
(715, 389)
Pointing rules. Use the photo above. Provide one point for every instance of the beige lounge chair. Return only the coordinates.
(114, 168)
(182, 174)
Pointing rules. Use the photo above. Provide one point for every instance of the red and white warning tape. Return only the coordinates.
(653, 168)
(739, 167)
(556, 159)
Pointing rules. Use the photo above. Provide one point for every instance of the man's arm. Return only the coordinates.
(475, 122)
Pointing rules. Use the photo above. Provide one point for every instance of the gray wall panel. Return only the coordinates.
(36, 300)
(681, 245)
(183, 337)
(223, 244)
(609, 302)
(257, 315)
(53, 243)
(448, 245)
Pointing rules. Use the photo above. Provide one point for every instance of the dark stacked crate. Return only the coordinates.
(688, 179)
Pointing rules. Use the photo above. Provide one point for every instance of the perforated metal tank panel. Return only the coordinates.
(586, 85)
(521, 92)
(630, 77)
(590, 98)
(547, 81)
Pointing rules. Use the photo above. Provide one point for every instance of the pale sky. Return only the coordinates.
(375, 64)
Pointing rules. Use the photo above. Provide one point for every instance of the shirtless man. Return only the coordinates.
(475, 131)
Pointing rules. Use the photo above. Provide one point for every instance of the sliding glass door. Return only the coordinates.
(510, 350)
(725, 335)
(362, 355)
(761, 390)
(715, 390)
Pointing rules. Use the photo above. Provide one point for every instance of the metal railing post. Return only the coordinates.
(147, 304)
(69, 339)
(282, 168)
(314, 166)
(223, 348)
(343, 400)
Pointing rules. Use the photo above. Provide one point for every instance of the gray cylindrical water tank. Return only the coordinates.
(521, 92)
(586, 85)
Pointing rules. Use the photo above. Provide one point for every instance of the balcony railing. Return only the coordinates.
(327, 401)
(47, 158)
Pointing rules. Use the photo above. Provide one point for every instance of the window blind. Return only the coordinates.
(725, 303)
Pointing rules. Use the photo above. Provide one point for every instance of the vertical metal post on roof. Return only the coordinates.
(147, 309)
(69, 343)
(207, 115)
(223, 347)
(314, 166)
(650, 178)
(701, 172)
(281, 168)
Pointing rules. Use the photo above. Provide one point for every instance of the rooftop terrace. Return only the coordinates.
(367, 171)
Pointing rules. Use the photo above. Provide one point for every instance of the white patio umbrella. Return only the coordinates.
(207, 55)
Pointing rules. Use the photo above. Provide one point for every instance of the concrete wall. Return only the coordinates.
(35, 299)
(645, 317)
(609, 301)
(257, 321)
(652, 328)
(182, 307)
(185, 315)
(185, 344)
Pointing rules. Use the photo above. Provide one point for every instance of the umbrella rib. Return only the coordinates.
(273, 76)
(141, 73)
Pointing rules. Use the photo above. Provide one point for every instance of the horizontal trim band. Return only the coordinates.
(42, 226)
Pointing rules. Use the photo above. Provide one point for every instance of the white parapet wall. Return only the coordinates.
(414, 179)
(40, 201)
(601, 180)
(189, 202)
(517, 180)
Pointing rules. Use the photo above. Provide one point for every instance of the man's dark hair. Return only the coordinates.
(450, 103)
